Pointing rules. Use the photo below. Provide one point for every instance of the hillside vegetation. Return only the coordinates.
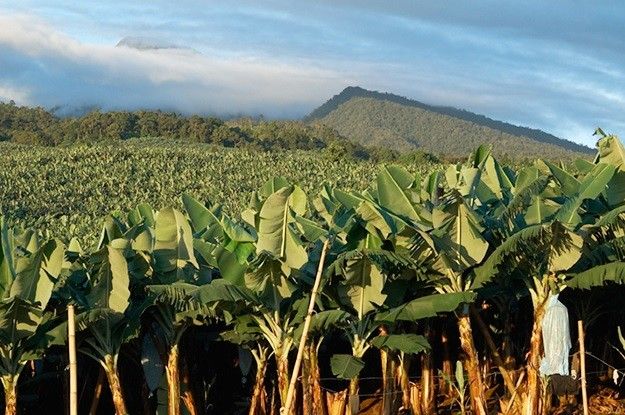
(375, 119)
(24, 125)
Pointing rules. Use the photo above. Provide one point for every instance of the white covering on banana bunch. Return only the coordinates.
(556, 338)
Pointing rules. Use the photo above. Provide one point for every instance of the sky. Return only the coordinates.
(558, 66)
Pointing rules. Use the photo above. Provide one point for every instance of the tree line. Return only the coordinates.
(37, 126)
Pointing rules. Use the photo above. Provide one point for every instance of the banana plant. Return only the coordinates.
(546, 243)
(271, 252)
(105, 320)
(453, 241)
(402, 346)
(174, 271)
(455, 245)
(369, 227)
(321, 323)
(423, 307)
(173, 309)
(361, 277)
(28, 272)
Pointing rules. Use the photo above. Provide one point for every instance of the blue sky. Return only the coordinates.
(558, 66)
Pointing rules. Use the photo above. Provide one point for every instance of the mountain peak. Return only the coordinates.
(385, 119)
(145, 43)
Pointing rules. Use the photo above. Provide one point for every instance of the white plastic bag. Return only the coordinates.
(556, 338)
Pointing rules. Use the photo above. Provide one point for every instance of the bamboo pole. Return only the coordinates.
(285, 410)
(73, 379)
(582, 358)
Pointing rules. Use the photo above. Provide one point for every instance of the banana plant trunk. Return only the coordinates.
(444, 386)
(472, 365)
(404, 383)
(173, 384)
(353, 404)
(415, 398)
(259, 396)
(336, 402)
(306, 381)
(533, 390)
(282, 363)
(318, 402)
(428, 392)
(312, 397)
(10, 394)
(187, 395)
(115, 386)
(388, 382)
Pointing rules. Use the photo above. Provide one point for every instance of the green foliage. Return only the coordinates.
(405, 343)
(25, 125)
(401, 249)
(346, 366)
(68, 190)
(393, 122)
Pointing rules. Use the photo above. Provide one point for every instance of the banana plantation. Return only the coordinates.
(420, 295)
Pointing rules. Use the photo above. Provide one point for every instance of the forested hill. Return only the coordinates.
(382, 119)
(24, 125)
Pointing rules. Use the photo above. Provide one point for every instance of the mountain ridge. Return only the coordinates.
(352, 92)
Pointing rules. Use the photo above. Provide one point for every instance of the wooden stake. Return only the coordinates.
(582, 357)
(285, 410)
(73, 378)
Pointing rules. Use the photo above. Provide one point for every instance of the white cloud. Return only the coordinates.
(59, 70)
(544, 66)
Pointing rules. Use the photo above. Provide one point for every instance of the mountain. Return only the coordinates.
(144, 43)
(388, 120)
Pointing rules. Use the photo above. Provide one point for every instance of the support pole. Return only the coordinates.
(285, 410)
(582, 358)
(73, 379)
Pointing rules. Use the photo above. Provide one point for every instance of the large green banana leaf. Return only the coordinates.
(7, 266)
(173, 250)
(110, 281)
(399, 192)
(406, 343)
(457, 234)
(36, 274)
(593, 184)
(19, 319)
(362, 288)
(599, 275)
(550, 247)
(427, 306)
(276, 234)
(612, 152)
(346, 366)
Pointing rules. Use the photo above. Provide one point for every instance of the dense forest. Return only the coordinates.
(24, 125)
(377, 119)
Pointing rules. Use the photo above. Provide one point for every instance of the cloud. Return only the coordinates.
(554, 66)
(45, 67)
